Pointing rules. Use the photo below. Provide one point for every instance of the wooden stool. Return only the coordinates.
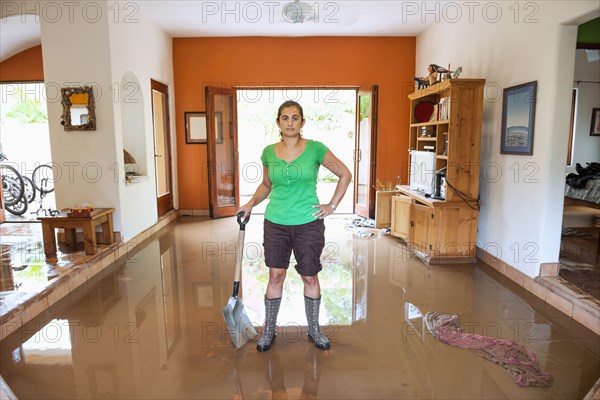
(87, 222)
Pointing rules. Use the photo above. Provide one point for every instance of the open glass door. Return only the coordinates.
(162, 150)
(221, 132)
(364, 152)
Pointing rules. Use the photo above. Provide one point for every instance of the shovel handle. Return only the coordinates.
(240, 253)
(241, 221)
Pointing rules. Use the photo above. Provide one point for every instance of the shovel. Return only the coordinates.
(239, 325)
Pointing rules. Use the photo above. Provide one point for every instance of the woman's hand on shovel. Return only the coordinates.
(246, 209)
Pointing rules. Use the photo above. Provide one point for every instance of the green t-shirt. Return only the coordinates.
(293, 185)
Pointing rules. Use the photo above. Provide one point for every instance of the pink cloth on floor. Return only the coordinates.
(521, 364)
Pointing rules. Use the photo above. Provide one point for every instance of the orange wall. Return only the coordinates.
(24, 66)
(308, 61)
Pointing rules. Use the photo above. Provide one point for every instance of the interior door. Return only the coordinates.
(162, 148)
(222, 147)
(364, 152)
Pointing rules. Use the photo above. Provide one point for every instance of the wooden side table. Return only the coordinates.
(87, 222)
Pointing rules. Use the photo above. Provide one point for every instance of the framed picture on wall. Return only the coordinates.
(518, 118)
(195, 127)
(595, 127)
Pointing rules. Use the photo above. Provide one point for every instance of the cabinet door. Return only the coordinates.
(422, 221)
(401, 216)
(383, 208)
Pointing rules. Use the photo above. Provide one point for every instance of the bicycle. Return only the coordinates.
(29, 193)
(42, 180)
(13, 186)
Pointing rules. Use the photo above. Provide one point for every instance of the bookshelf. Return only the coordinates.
(444, 230)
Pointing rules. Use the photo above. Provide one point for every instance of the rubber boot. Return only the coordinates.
(311, 306)
(268, 333)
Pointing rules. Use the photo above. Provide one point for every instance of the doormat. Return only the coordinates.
(586, 280)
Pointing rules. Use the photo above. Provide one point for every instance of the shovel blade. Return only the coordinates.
(238, 324)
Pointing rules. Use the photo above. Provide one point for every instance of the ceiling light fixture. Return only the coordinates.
(298, 12)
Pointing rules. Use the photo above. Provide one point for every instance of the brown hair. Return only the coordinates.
(290, 103)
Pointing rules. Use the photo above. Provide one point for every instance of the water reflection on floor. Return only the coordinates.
(153, 328)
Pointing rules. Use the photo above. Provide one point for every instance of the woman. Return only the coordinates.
(294, 217)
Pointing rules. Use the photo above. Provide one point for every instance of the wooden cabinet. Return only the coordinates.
(444, 230)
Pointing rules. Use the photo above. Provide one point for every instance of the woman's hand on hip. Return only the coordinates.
(323, 210)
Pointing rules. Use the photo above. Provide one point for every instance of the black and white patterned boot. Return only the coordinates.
(268, 333)
(311, 306)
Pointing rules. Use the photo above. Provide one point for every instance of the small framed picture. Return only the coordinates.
(595, 127)
(518, 119)
(195, 127)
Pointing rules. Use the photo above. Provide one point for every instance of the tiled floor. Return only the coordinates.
(579, 248)
(151, 326)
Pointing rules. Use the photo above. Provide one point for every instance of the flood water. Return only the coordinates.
(152, 328)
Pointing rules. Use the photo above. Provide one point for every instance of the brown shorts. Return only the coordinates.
(306, 241)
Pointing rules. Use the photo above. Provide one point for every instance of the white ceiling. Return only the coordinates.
(267, 18)
(18, 33)
(191, 18)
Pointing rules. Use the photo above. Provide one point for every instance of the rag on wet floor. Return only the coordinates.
(521, 364)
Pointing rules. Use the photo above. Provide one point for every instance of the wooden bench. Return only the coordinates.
(70, 222)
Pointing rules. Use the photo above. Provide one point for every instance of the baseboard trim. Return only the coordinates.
(196, 212)
(547, 287)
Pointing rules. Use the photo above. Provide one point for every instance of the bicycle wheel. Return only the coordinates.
(43, 179)
(12, 185)
(19, 208)
(29, 189)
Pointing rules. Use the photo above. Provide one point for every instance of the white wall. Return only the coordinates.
(586, 148)
(76, 53)
(99, 47)
(138, 47)
(510, 43)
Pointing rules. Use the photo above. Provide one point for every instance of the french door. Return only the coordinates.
(364, 151)
(162, 148)
(222, 147)
(223, 156)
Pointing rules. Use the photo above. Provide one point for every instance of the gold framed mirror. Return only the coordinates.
(78, 109)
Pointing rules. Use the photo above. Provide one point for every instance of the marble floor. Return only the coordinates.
(150, 325)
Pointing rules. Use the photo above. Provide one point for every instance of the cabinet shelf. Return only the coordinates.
(443, 229)
(430, 123)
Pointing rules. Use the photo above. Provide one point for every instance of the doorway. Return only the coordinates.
(25, 139)
(162, 149)
(579, 256)
(330, 118)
